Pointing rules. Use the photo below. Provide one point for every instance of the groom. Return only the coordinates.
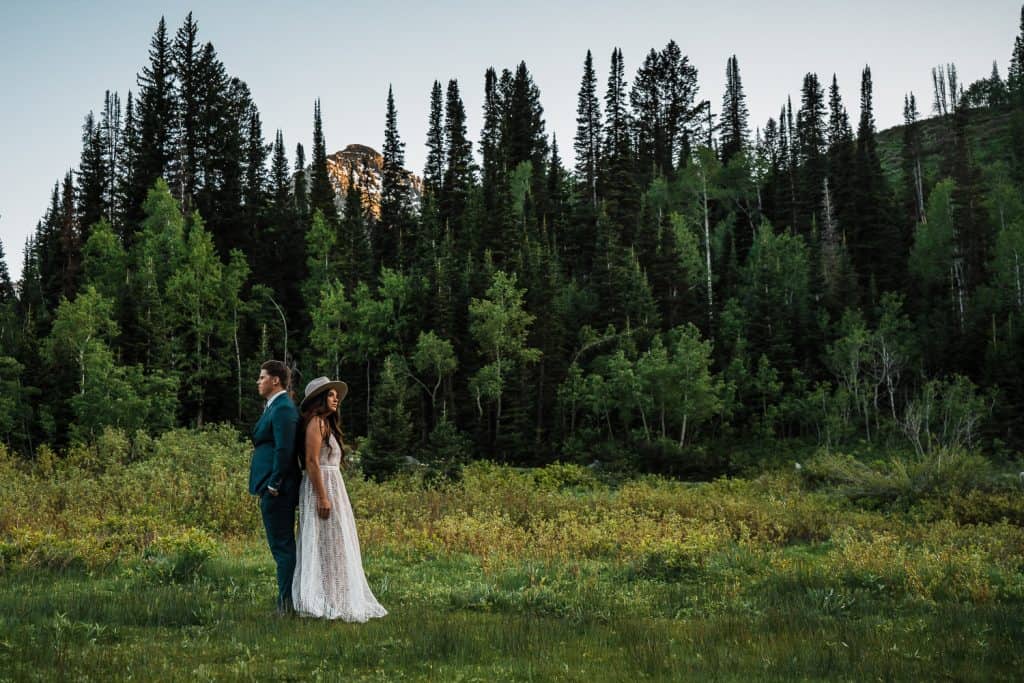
(273, 475)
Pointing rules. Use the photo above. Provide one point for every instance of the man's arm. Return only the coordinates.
(283, 424)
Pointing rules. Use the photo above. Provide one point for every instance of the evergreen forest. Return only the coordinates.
(691, 286)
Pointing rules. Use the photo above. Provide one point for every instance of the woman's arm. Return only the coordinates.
(314, 441)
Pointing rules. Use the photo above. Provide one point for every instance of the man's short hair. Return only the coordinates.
(276, 368)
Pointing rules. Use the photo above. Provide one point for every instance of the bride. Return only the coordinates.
(329, 580)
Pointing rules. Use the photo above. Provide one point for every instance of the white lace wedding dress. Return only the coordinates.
(329, 581)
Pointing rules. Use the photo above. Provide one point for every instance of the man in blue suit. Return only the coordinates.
(274, 476)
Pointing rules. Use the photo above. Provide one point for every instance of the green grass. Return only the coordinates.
(456, 619)
(151, 567)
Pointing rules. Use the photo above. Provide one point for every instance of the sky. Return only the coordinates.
(58, 58)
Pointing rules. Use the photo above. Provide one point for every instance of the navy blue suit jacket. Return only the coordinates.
(273, 458)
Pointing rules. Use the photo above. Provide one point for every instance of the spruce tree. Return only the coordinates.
(1015, 76)
(125, 179)
(877, 244)
(494, 169)
(648, 124)
(735, 135)
(392, 230)
(280, 176)
(524, 138)
(255, 192)
(157, 106)
(301, 190)
(841, 171)
(617, 184)
(321, 192)
(458, 172)
(810, 153)
(433, 172)
(682, 109)
(70, 237)
(6, 287)
(355, 256)
(587, 143)
(92, 177)
(187, 69)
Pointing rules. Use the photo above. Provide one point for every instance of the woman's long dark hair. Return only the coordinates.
(318, 408)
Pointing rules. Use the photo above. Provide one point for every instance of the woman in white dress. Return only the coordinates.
(329, 580)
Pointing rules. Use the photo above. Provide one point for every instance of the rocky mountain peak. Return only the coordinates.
(365, 166)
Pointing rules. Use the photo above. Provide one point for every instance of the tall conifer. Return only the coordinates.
(458, 172)
(301, 191)
(392, 230)
(433, 172)
(157, 104)
(92, 177)
(735, 134)
(321, 192)
(877, 244)
(618, 180)
(6, 287)
(587, 143)
(186, 58)
(810, 154)
(1015, 76)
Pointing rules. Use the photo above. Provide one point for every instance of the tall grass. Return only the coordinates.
(143, 559)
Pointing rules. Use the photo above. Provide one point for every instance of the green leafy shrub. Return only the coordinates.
(178, 556)
(902, 481)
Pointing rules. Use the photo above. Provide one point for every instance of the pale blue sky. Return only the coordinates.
(57, 58)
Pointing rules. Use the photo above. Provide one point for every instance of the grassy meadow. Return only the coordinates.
(142, 559)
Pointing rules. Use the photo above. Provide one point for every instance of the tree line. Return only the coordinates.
(687, 282)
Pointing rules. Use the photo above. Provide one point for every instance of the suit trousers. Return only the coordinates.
(279, 522)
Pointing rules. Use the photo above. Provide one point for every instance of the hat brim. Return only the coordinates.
(338, 386)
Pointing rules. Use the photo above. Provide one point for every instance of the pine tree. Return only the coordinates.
(587, 143)
(1015, 76)
(392, 230)
(186, 58)
(495, 170)
(682, 110)
(735, 136)
(810, 154)
(280, 176)
(841, 171)
(157, 105)
(391, 428)
(321, 192)
(433, 172)
(255, 191)
(92, 177)
(877, 244)
(301, 191)
(125, 178)
(6, 287)
(556, 217)
(524, 139)
(648, 124)
(70, 236)
(355, 256)
(458, 172)
(617, 183)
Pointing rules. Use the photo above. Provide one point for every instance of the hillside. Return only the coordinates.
(990, 131)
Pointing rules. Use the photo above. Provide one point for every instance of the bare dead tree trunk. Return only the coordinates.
(707, 248)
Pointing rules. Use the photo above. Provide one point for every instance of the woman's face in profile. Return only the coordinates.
(332, 400)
